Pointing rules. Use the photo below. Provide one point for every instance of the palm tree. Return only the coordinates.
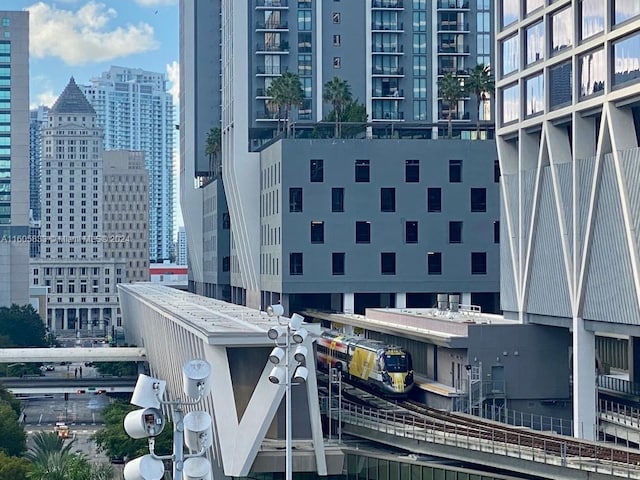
(451, 92)
(45, 444)
(213, 149)
(481, 84)
(338, 93)
(286, 91)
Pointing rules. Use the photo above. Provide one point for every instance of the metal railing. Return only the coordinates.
(387, 4)
(525, 446)
(618, 385)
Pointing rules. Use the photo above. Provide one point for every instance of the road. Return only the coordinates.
(80, 409)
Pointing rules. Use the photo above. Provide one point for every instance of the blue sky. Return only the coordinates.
(83, 38)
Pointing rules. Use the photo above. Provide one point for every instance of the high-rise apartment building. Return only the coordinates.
(181, 247)
(349, 222)
(14, 157)
(568, 76)
(37, 121)
(136, 112)
(126, 213)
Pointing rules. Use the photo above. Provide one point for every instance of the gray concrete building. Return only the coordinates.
(567, 136)
(14, 157)
(229, 49)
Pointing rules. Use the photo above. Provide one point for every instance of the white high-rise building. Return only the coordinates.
(181, 252)
(136, 112)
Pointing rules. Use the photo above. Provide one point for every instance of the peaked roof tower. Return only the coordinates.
(72, 100)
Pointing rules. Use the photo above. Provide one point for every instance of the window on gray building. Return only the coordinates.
(496, 171)
(560, 84)
(434, 263)
(510, 10)
(561, 30)
(317, 232)
(592, 17)
(593, 72)
(337, 199)
(388, 263)
(295, 263)
(434, 199)
(455, 171)
(337, 263)
(478, 199)
(363, 232)
(316, 170)
(626, 59)
(412, 171)
(411, 231)
(455, 232)
(625, 9)
(388, 199)
(478, 263)
(496, 232)
(226, 264)
(362, 171)
(295, 199)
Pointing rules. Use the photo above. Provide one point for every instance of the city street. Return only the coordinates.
(80, 410)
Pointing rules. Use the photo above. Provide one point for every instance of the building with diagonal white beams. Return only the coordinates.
(568, 133)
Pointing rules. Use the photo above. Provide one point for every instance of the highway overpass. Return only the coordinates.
(48, 385)
(76, 354)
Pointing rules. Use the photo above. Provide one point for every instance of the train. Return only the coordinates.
(386, 369)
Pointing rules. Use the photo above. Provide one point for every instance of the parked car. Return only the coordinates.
(47, 368)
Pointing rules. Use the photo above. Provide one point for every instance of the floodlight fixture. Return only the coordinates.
(277, 355)
(198, 431)
(276, 310)
(300, 354)
(300, 335)
(197, 468)
(144, 468)
(295, 322)
(277, 376)
(148, 392)
(276, 332)
(144, 423)
(196, 378)
(300, 375)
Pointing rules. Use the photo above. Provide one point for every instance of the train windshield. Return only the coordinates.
(396, 363)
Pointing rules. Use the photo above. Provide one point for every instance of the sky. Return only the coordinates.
(84, 38)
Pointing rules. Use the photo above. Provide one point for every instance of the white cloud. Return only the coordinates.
(156, 3)
(46, 98)
(173, 74)
(84, 36)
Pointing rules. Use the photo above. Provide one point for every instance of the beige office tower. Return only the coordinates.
(126, 212)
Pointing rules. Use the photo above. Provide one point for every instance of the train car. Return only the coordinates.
(385, 368)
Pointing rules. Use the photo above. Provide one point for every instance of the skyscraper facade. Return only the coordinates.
(568, 127)
(392, 55)
(37, 121)
(14, 157)
(136, 112)
(181, 247)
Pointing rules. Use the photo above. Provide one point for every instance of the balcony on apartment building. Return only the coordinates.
(377, 70)
(387, 93)
(382, 48)
(272, 25)
(384, 4)
(451, 49)
(271, 70)
(452, 5)
(444, 115)
(452, 26)
(282, 47)
(387, 27)
(388, 115)
(272, 4)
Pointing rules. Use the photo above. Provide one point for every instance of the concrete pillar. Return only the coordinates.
(336, 302)
(634, 359)
(401, 300)
(65, 319)
(465, 299)
(584, 382)
(348, 302)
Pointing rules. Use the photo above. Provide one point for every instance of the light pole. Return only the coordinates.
(282, 335)
(193, 429)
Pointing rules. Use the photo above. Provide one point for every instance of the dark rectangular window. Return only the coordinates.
(226, 221)
(496, 171)
(434, 263)
(478, 199)
(226, 264)
(337, 199)
(387, 199)
(295, 199)
(455, 232)
(412, 171)
(362, 171)
(478, 263)
(434, 199)
(455, 171)
(411, 231)
(496, 232)
(295, 264)
(337, 263)
(363, 232)
(316, 171)
(317, 232)
(388, 263)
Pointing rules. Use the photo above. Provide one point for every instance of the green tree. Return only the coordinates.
(12, 436)
(451, 92)
(352, 113)
(45, 444)
(337, 92)
(213, 149)
(114, 441)
(286, 92)
(9, 398)
(13, 468)
(481, 84)
(23, 326)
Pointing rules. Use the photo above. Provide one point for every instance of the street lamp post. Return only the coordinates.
(193, 429)
(290, 330)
